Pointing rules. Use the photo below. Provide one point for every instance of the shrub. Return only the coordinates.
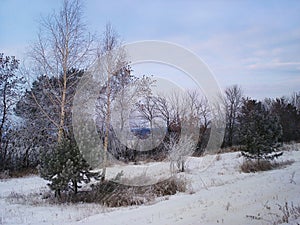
(112, 194)
(178, 152)
(251, 166)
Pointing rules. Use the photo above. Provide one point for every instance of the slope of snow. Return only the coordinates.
(218, 194)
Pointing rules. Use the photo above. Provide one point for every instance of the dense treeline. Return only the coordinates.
(284, 109)
(29, 119)
(36, 122)
(27, 129)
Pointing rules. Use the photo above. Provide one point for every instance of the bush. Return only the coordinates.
(112, 194)
(252, 166)
(179, 150)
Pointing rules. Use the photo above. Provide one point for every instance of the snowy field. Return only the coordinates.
(218, 193)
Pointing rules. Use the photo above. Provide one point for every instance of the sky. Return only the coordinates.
(254, 44)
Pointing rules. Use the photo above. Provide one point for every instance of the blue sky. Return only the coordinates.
(255, 44)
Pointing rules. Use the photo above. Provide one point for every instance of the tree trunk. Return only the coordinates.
(75, 186)
(63, 101)
(107, 126)
(3, 116)
(57, 193)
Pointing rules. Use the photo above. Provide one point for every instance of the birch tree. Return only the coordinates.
(59, 57)
(112, 61)
(63, 44)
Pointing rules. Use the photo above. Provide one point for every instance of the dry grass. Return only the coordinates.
(112, 194)
(6, 174)
(286, 215)
(252, 166)
(289, 212)
(24, 173)
(33, 199)
(218, 157)
(292, 146)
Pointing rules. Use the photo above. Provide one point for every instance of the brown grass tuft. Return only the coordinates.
(252, 166)
(6, 174)
(112, 194)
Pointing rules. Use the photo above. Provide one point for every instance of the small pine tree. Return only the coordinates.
(65, 167)
(259, 131)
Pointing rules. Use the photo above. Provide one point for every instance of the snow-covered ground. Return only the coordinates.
(218, 193)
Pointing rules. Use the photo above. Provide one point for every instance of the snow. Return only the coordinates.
(218, 193)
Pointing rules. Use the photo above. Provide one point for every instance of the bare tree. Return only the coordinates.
(131, 91)
(164, 109)
(10, 91)
(232, 102)
(112, 61)
(193, 110)
(179, 104)
(204, 114)
(63, 45)
(169, 109)
(148, 108)
(295, 100)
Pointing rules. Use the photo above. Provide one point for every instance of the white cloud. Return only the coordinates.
(275, 66)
